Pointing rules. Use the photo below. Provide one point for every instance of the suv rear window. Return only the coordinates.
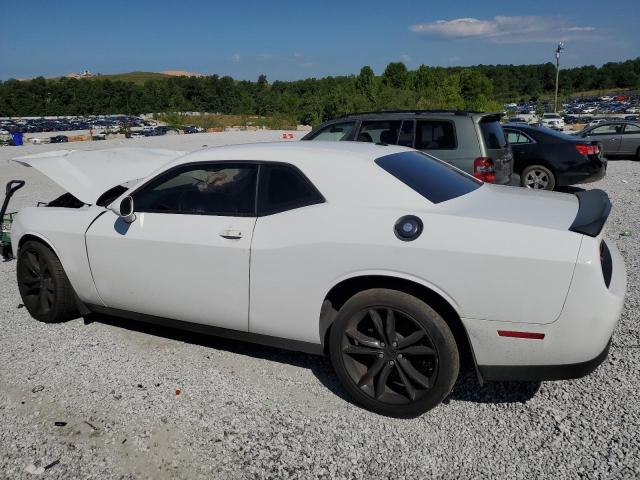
(493, 134)
(434, 179)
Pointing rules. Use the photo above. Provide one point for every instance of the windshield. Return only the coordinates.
(434, 179)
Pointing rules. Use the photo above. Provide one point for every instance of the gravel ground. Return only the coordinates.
(246, 411)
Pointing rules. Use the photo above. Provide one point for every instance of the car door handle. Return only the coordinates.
(231, 234)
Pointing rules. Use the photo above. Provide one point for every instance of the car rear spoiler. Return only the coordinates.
(594, 207)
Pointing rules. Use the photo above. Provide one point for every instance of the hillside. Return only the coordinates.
(140, 77)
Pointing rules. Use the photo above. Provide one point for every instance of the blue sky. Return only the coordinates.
(291, 40)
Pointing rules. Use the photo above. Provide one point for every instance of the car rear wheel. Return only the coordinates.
(393, 353)
(43, 284)
(538, 177)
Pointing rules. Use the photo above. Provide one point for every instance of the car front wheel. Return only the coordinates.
(538, 177)
(393, 353)
(43, 284)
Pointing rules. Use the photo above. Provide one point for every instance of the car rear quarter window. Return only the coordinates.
(435, 135)
(434, 179)
(514, 137)
(493, 134)
(282, 188)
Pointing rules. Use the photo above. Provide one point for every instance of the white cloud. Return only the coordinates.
(405, 58)
(504, 29)
(235, 58)
(581, 29)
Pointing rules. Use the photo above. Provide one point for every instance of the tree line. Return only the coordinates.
(310, 101)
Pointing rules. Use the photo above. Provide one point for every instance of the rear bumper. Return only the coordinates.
(539, 373)
(575, 344)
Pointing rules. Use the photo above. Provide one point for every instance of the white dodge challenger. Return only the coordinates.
(392, 262)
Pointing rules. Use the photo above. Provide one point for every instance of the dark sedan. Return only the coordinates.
(546, 159)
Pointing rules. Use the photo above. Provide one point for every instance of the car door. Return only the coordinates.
(525, 150)
(630, 144)
(186, 254)
(610, 135)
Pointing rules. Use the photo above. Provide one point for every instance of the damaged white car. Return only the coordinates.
(392, 262)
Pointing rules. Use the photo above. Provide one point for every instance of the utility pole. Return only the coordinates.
(558, 50)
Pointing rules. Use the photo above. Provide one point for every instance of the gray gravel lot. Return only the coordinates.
(246, 411)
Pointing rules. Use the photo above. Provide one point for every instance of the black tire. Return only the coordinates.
(43, 285)
(392, 383)
(547, 180)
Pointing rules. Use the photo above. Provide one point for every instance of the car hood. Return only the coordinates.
(88, 174)
(538, 208)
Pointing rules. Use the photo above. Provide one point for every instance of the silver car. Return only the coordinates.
(618, 138)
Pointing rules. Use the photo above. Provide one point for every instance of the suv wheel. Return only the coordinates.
(393, 353)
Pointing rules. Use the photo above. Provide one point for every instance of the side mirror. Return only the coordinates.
(125, 209)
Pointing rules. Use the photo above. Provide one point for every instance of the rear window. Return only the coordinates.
(434, 179)
(493, 135)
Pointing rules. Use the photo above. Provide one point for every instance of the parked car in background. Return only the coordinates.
(472, 142)
(421, 263)
(597, 121)
(618, 138)
(518, 120)
(546, 159)
(552, 120)
(59, 139)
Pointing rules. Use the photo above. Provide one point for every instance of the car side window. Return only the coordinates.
(282, 188)
(435, 135)
(215, 189)
(516, 138)
(335, 132)
(631, 129)
(379, 131)
(406, 134)
(613, 129)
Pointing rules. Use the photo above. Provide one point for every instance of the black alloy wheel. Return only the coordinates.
(43, 284)
(393, 353)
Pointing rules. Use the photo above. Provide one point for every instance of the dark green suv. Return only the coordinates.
(473, 142)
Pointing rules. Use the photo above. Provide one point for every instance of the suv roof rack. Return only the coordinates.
(415, 112)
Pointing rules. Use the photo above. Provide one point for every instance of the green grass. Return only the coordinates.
(136, 77)
(222, 121)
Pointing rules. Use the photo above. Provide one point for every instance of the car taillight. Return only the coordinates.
(606, 263)
(484, 170)
(586, 149)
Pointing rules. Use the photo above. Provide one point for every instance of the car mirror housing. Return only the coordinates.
(124, 209)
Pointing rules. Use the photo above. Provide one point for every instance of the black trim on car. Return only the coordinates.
(539, 373)
(594, 207)
(268, 340)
